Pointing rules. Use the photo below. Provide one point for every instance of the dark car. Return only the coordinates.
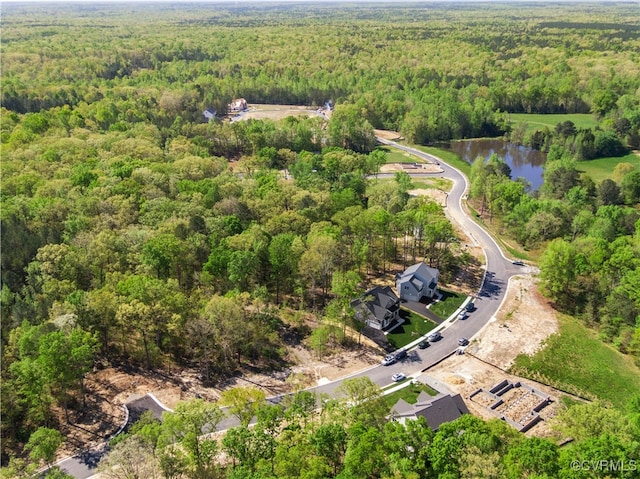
(423, 344)
(470, 306)
(401, 355)
(518, 263)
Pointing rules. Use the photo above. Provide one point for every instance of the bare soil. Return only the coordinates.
(277, 112)
(524, 322)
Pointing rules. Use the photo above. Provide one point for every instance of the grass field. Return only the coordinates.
(397, 156)
(537, 122)
(602, 168)
(409, 393)
(413, 327)
(576, 361)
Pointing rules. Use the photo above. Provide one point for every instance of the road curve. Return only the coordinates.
(488, 301)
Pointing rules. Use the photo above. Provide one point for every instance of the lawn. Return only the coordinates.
(537, 122)
(448, 304)
(395, 155)
(602, 168)
(409, 393)
(576, 361)
(413, 327)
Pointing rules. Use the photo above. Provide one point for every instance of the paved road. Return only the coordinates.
(488, 301)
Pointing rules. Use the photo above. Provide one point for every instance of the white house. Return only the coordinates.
(417, 282)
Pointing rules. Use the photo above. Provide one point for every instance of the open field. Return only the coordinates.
(537, 122)
(577, 361)
(602, 168)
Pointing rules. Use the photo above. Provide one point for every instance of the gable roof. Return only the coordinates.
(436, 410)
(420, 270)
(379, 301)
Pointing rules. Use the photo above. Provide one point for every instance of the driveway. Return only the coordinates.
(421, 309)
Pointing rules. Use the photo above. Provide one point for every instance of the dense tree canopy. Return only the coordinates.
(135, 228)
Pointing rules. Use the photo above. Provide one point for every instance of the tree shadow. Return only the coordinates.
(492, 287)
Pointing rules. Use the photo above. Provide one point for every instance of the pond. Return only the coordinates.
(524, 162)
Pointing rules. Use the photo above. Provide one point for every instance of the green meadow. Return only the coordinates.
(602, 168)
(577, 361)
(539, 121)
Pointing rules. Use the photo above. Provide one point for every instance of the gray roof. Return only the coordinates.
(423, 271)
(417, 283)
(436, 410)
(379, 301)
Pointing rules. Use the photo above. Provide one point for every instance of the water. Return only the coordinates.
(523, 161)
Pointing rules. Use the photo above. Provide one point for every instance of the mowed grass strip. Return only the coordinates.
(537, 121)
(576, 361)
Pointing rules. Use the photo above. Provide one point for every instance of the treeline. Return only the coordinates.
(353, 437)
(591, 232)
(433, 73)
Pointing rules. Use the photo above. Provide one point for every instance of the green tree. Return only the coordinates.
(532, 456)
(43, 445)
(243, 402)
(187, 426)
(558, 271)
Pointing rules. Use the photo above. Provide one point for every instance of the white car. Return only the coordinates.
(397, 377)
(462, 315)
(388, 359)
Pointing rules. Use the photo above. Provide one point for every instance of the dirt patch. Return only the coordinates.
(438, 196)
(278, 112)
(388, 135)
(524, 322)
(110, 388)
(411, 168)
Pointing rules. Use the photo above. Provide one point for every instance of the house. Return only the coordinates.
(239, 104)
(417, 282)
(436, 410)
(209, 114)
(378, 308)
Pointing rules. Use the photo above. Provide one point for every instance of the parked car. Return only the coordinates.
(462, 315)
(401, 355)
(388, 359)
(463, 341)
(518, 263)
(470, 306)
(434, 337)
(398, 377)
(423, 344)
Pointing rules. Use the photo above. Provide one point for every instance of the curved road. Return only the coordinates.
(488, 301)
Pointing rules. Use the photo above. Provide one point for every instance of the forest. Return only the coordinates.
(135, 230)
